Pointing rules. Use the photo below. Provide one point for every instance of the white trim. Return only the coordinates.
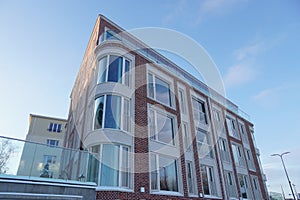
(41, 181)
(11, 194)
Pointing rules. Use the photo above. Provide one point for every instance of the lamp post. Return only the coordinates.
(297, 196)
(287, 176)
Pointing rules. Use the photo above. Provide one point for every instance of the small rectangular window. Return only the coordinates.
(182, 101)
(199, 111)
(50, 127)
(59, 128)
(190, 178)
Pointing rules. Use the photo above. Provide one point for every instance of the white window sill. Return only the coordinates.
(119, 189)
(212, 196)
(169, 193)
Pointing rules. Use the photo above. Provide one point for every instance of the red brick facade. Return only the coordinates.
(141, 138)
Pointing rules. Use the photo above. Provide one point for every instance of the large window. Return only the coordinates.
(112, 68)
(208, 180)
(230, 184)
(244, 186)
(232, 127)
(159, 90)
(161, 127)
(249, 158)
(256, 188)
(243, 133)
(224, 151)
(163, 173)
(238, 155)
(112, 111)
(205, 149)
(111, 163)
(199, 111)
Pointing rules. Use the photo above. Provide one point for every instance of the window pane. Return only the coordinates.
(54, 127)
(199, 111)
(204, 180)
(125, 167)
(181, 101)
(112, 112)
(126, 116)
(115, 69)
(154, 172)
(102, 70)
(93, 165)
(50, 127)
(99, 104)
(110, 165)
(152, 124)
(190, 178)
(59, 128)
(150, 86)
(168, 174)
(162, 91)
(165, 128)
(127, 67)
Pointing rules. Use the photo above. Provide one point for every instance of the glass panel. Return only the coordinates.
(165, 128)
(204, 176)
(93, 164)
(110, 165)
(150, 86)
(168, 174)
(182, 102)
(127, 67)
(126, 117)
(50, 127)
(152, 124)
(190, 178)
(59, 128)
(112, 112)
(115, 69)
(102, 70)
(199, 111)
(162, 91)
(99, 104)
(54, 127)
(125, 167)
(154, 172)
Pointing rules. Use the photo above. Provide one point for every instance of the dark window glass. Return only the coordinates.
(168, 174)
(112, 112)
(59, 128)
(50, 127)
(54, 127)
(162, 91)
(115, 69)
(99, 112)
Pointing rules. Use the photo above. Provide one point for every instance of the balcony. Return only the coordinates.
(36, 171)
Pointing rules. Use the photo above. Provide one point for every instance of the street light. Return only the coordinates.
(287, 176)
(296, 191)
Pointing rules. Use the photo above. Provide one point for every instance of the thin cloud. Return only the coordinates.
(249, 51)
(239, 74)
(196, 11)
(269, 97)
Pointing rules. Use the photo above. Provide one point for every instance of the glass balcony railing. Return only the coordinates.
(30, 160)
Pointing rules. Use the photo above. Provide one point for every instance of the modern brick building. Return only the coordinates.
(152, 129)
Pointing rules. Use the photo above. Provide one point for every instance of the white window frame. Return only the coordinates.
(224, 150)
(123, 77)
(158, 174)
(164, 79)
(249, 159)
(211, 153)
(186, 137)
(240, 155)
(123, 99)
(199, 112)
(182, 101)
(212, 184)
(246, 184)
(233, 127)
(256, 187)
(193, 180)
(243, 132)
(155, 136)
(231, 188)
(56, 142)
(130, 168)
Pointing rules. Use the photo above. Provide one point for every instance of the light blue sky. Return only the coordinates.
(255, 45)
